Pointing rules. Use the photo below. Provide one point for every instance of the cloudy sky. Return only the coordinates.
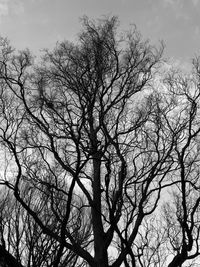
(39, 24)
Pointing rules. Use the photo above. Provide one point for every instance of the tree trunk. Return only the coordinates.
(7, 260)
(100, 251)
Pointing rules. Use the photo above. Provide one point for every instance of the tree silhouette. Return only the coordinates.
(91, 147)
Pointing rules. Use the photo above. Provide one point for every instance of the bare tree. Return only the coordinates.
(74, 132)
(178, 234)
(94, 147)
(182, 212)
(22, 241)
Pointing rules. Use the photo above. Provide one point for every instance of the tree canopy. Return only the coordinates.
(100, 154)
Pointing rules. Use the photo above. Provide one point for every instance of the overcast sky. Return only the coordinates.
(38, 24)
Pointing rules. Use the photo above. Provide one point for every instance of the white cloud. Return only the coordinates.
(196, 32)
(171, 2)
(11, 6)
(16, 6)
(178, 64)
(178, 7)
(4, 9)
(174, 4)
(195, 2)
(179, 3)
